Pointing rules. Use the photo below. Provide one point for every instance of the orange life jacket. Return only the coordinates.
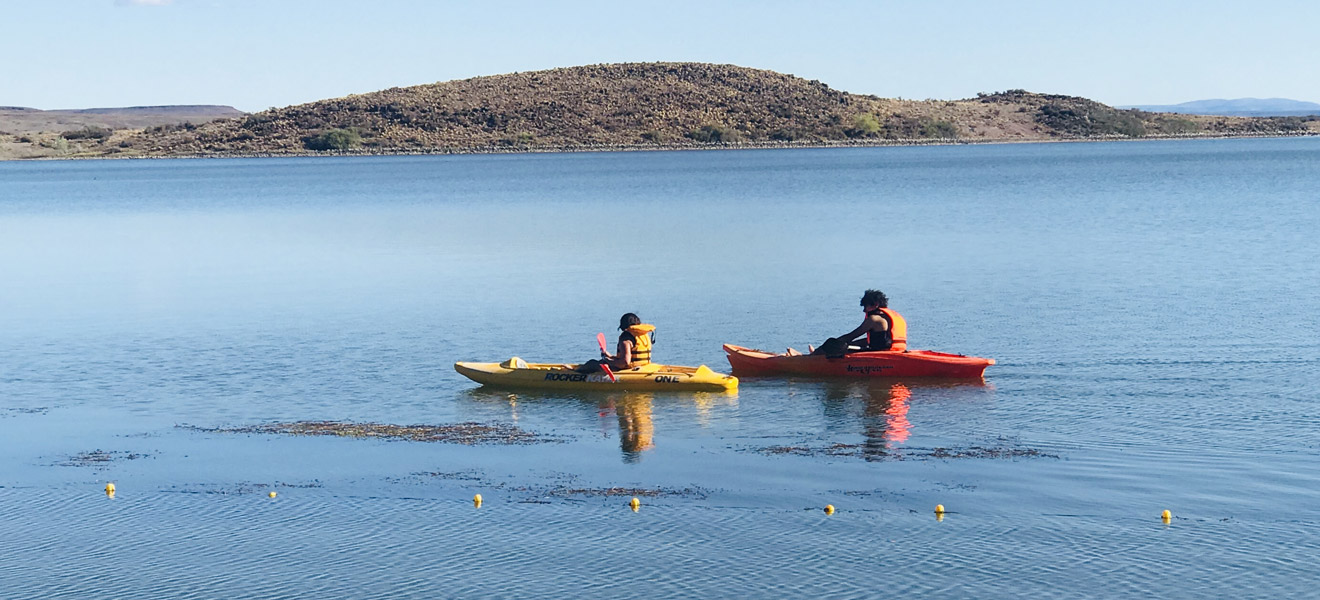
(640, 336)
(897, 332)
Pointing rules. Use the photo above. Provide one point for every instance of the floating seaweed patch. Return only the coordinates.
(99, 458)
(876, 452)
(796, 450)
(456, 475)
(467, 478)
(988, 452)
(542, 494)
(625, 491)
(10, 411)
(560, 486)
(870, 493)
(242, 488)
(459, 433)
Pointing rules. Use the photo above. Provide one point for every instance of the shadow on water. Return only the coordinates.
(633, 411)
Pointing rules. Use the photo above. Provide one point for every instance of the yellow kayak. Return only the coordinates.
(517, 373)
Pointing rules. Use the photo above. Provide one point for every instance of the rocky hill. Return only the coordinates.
(649, 105)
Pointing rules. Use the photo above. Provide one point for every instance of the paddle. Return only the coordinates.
(600, 339)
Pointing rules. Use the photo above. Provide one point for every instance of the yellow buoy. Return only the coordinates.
(939, 509)
(1166, 516)
(272, 494)
(476, 500)
(634, 503)
(110, 488)
(829, 509)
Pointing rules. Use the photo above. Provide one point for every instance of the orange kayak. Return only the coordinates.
(910, 363)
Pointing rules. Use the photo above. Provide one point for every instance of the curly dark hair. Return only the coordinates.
(876, 297)
(628, 320)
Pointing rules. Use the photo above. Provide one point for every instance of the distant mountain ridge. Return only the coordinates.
(1249, 107)
(19, 119)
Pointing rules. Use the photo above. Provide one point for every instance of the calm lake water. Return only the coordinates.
(1152, 307)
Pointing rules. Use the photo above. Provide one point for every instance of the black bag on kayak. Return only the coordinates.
(832, 348)
(591, 366)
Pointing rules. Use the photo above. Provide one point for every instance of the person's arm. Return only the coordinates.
(622, 356)
(861, 330)
(871, 323)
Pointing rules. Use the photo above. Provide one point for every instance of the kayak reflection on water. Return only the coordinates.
(884, 417)
(634, 412)
(636, 425)
(883, 411)
(897, 426)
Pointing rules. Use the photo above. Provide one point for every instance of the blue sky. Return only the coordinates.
(256, 54)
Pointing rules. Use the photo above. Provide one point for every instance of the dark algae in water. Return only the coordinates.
(871, 452)
(99, 458)
(458, 433)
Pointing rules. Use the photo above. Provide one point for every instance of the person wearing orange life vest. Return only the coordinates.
(881, 329)
(633, 350)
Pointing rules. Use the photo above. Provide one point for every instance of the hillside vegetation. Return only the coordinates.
(660, 105)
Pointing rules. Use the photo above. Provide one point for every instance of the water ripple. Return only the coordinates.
(247, 546)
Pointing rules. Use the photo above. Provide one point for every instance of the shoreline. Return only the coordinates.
(649, 147)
